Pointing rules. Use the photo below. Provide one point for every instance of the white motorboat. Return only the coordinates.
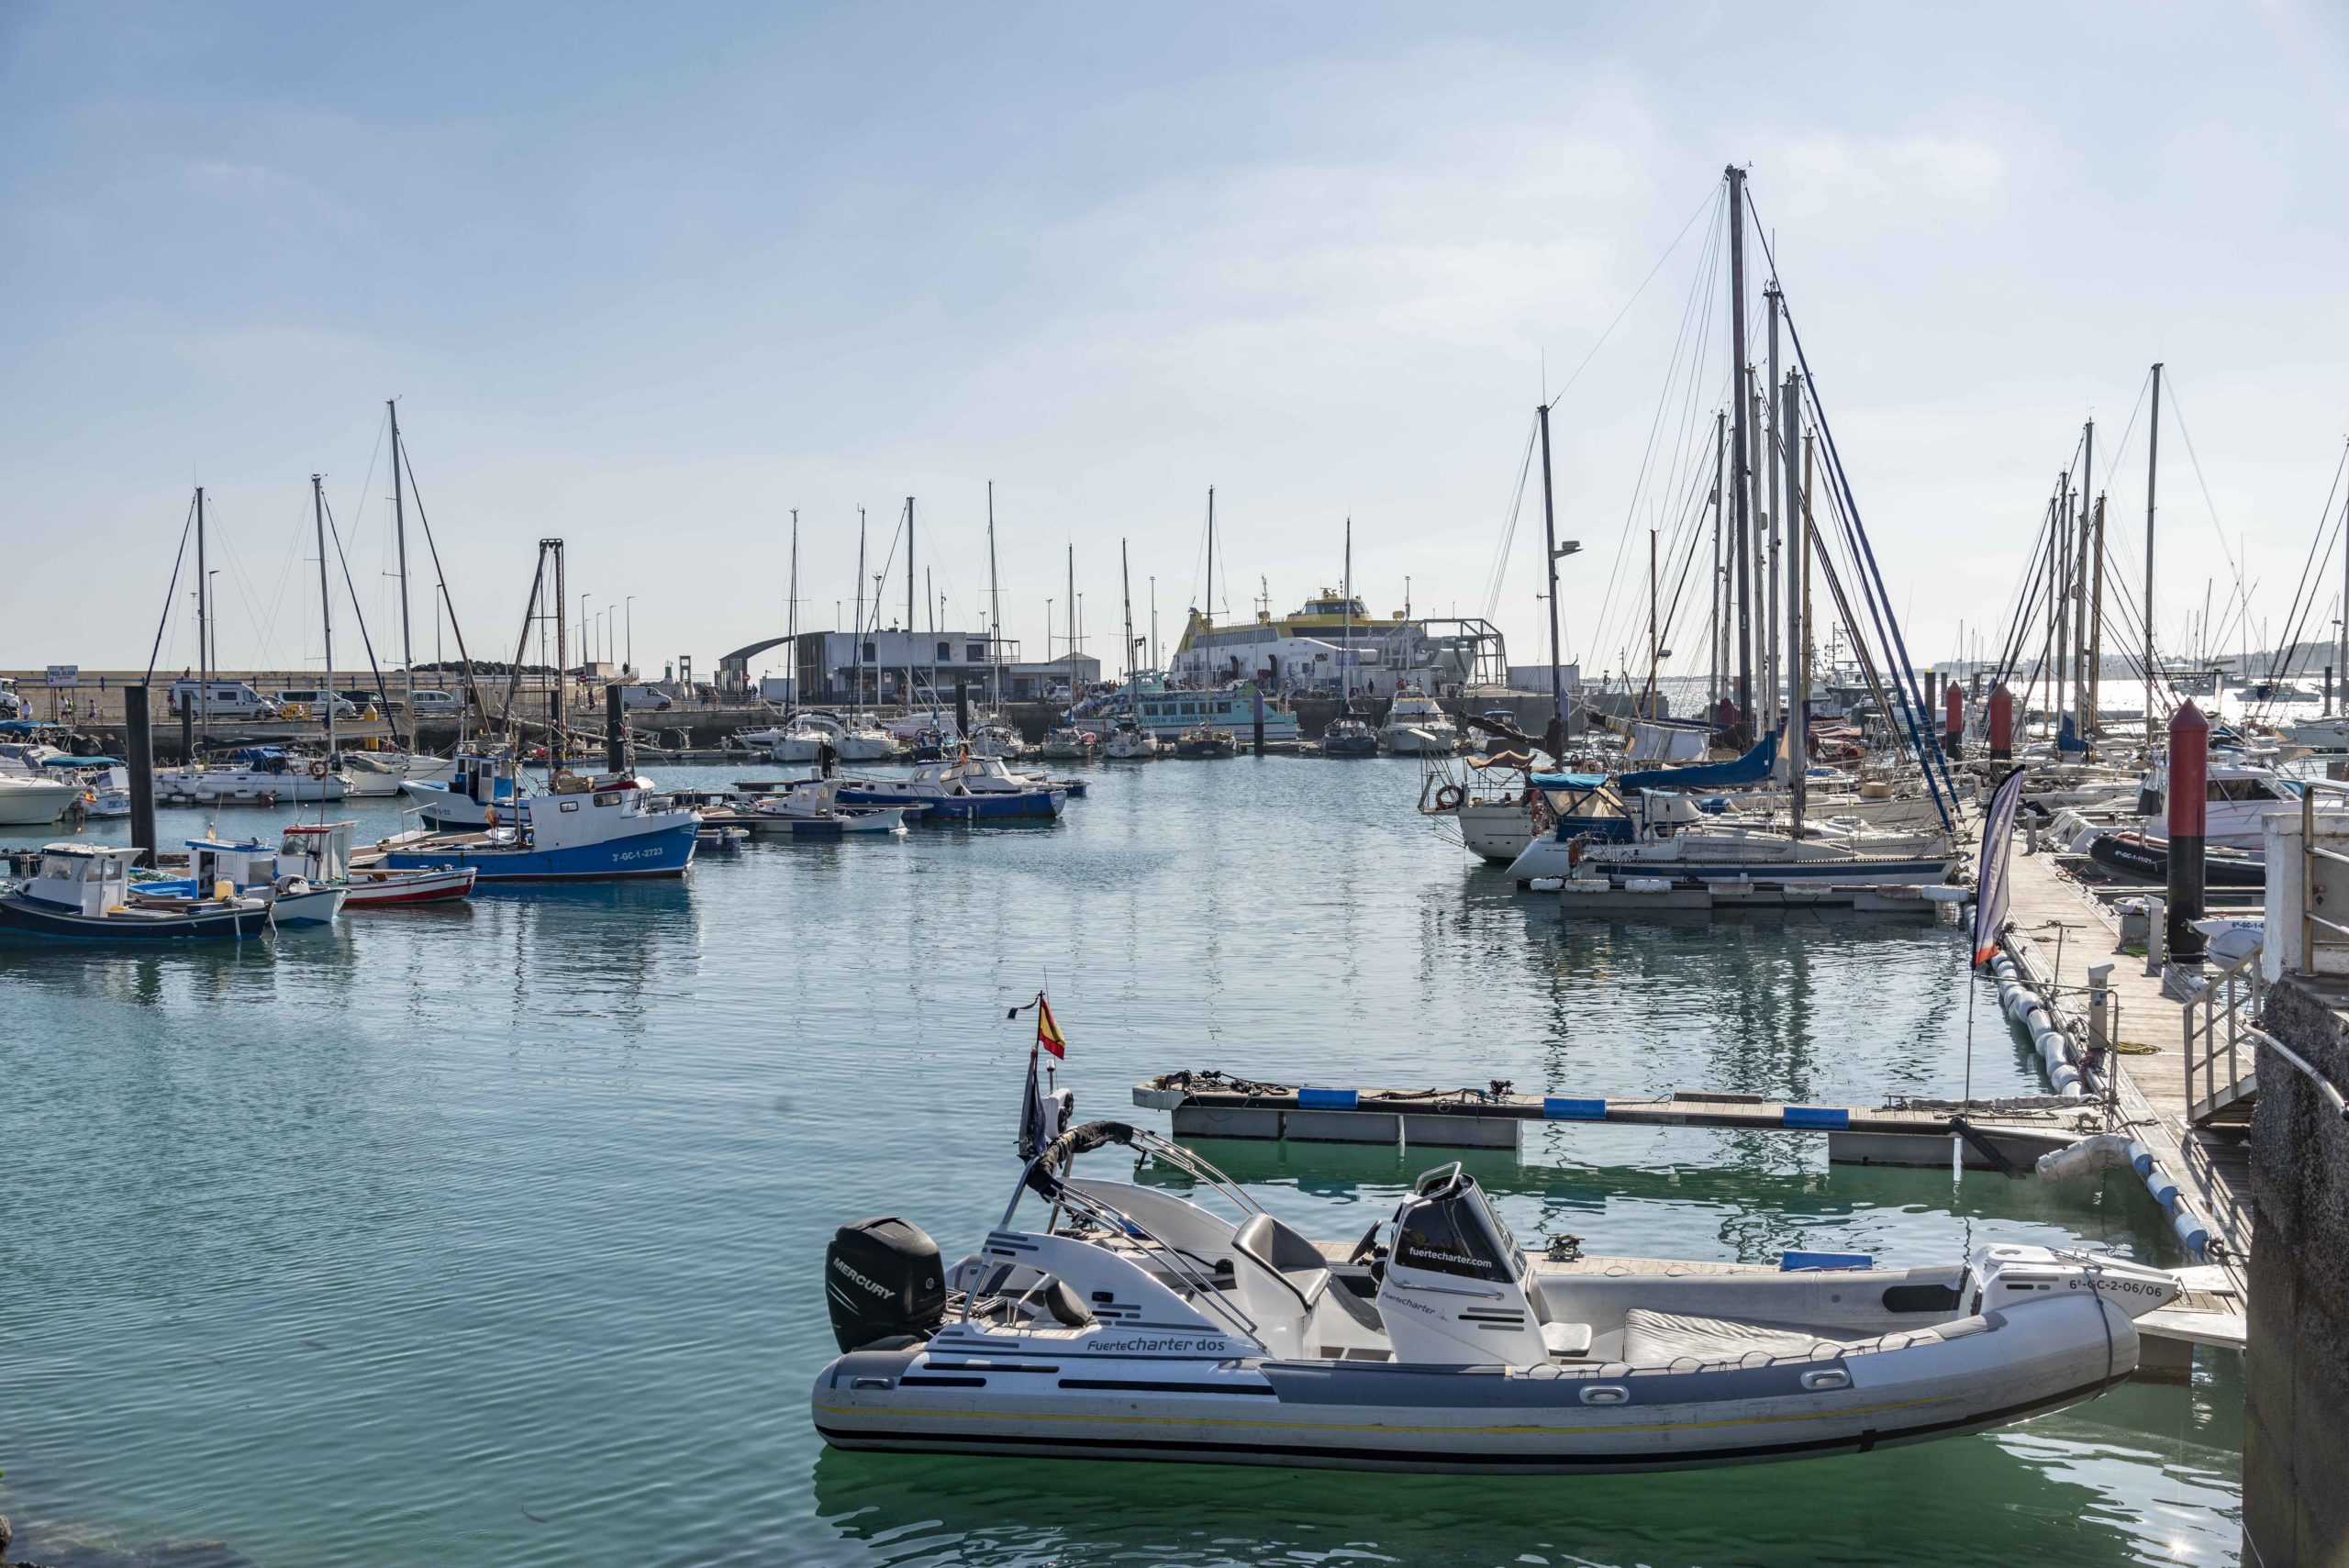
(1127, 1322)
(2239, 799)
(2319, 734)
(812, 808)
(852, 740)
(376, 773)
(28, 802)
(1418, 726)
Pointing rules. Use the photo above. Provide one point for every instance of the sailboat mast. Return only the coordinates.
(1346, 638)
(202, 634)
(2153, 474)
(559, 742)
(1739, 484)
(1717, 635)
(1648, 703)
(1555, 730)
(1126, 591)
(2084, 678)
(856, 628)
(929, 608)
(2345, 606)
(326, 603)
(1209, 624)
(791, 610)
(909, 605)
(1774, 699)
(1072, 628)
(995, 615)
(399, 532)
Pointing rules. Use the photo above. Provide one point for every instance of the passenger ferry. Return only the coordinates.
(1168, 711)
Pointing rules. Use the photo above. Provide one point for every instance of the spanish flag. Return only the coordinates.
(1048, 1029)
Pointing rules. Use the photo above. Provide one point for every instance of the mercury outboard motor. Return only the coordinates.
(882, 1283)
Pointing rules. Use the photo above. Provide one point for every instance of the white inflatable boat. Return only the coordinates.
(1136, 1324)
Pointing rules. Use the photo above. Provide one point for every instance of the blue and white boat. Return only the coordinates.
(480, 792)
(249, 868)
(83, 892)
(582, 829)
(959, 792)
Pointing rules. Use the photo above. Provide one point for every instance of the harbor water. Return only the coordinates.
(492, 1234)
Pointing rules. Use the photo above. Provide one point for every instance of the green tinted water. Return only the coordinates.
(492, 1235)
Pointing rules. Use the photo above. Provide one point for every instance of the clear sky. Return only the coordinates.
(648, 277)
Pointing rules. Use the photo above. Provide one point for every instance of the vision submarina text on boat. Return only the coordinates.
(1134, 1323)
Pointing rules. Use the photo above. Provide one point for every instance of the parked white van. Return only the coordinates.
(11, 705)
(316, 698)
(221, 699)
(651, 697)
(433, 702)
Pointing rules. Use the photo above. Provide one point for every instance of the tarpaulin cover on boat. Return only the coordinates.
(1751, 768)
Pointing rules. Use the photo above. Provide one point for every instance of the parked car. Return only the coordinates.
(221, 699)
(430, 701)
(651, 697)
(315, 699)
(11, 705)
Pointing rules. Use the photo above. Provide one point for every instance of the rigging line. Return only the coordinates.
(1699, 290)
(357, 614)
(2178, 414)
(1719, 205)
(170, 593)
(2320, 546)
(1931, 760)
(405, 458)
(1496, 580)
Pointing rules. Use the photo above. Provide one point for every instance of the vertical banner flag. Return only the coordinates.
(1990, 873)
(1048, 1029)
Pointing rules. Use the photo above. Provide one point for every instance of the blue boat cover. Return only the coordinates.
(1751, 768)
(1569, 781)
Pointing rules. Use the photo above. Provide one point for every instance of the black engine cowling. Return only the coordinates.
(883, 1280)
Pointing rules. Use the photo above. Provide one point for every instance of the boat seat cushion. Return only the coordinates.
(1295, 1260)
(1659, 1339)
(1567, 1341)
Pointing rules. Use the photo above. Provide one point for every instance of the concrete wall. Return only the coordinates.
(2296, 1428)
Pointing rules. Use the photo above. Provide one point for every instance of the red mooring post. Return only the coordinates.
(2188, 795)
(1952, 719)
(2002, 723)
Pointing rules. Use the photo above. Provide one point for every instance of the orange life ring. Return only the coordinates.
(317, 770)
(1449, 797)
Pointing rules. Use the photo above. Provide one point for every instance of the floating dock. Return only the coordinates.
(2005, 1135)
(1636, 896)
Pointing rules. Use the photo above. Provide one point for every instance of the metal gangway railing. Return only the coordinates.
(2310, 852)
(2221, 1052)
